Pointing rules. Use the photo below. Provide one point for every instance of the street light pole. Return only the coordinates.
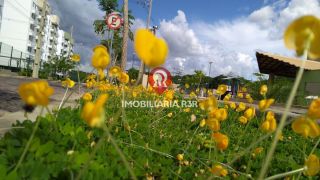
(142, 65)
(210, 68)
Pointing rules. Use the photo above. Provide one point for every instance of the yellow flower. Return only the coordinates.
(250, 113)
(93, 113)
(192, 95)
(219, 114)
(250, 100)
(227, 97)
(243, 120)
(222, 88)
(101, 74)
(270, 123)
(180, 157)
(169, 95)
(240, 95)
(87, 97)
(35, 93)
(75, 58)
(187, 86)
(302, 30)
(170, 114)
(244, 89)
(313, 165)
(213, 124)
(232, 105)
(218, 170)
(263, 90)
(197, 90)
(115, 71)
(222, 141)
(186, 110)
(100, 58)
(124, 78)
(306, 127)
(208, 104)
(202, 123)
(134, 94)
(265, 104)
(314, 109)
(248, 96)
(151, 50)
(68, 83)
(241, 107)
(258, 150)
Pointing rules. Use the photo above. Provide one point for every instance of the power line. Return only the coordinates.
(19, 10)
(21, 5)
(16, 20)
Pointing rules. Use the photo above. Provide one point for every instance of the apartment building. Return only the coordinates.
(20, 26)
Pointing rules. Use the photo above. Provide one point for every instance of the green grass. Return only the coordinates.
(150, 146)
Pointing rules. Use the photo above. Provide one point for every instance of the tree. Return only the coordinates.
(100, 28)
(133, 73)
(58, 67)
(199, 75)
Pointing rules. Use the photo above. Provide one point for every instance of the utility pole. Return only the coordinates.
(36, 64)
(210, 68)
(125, 36)
(142, 66)
(132, 60)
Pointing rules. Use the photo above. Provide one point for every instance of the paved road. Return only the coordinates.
(11, 104)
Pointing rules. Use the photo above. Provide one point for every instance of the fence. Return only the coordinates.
(13, 59)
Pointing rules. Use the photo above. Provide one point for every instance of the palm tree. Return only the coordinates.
(100, 28)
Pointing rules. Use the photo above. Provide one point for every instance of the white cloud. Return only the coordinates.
(231, 45)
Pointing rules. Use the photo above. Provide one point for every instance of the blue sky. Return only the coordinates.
(204, 10)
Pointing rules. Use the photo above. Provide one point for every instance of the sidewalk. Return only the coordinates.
(11, 104)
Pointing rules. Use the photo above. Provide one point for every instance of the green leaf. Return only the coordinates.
(3, 170)
(12, 176)
(44, 149)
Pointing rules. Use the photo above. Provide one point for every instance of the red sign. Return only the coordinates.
(114, 21)
(160, 79)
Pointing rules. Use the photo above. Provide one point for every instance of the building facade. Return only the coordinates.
(20, 26)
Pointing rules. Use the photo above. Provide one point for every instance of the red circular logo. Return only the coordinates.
(160, 79)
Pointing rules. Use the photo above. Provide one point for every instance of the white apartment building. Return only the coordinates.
(20, 25)
(65, 44)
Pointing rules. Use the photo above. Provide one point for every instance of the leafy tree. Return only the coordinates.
(100, 28)
(58, 67)
(133, 73)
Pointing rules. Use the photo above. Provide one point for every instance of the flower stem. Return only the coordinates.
(277, 176)
(29, 142)
(64, 96)
(315, 146)
(285, 113)
(79, 81)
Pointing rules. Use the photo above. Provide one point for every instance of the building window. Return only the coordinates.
(29, 49)
(32, 27)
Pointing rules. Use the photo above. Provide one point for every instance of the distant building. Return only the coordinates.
(276, 65)
(20, 25)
